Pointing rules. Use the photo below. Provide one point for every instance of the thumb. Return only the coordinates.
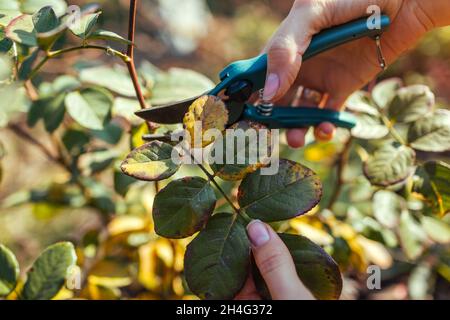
(275, 263)
(283, 65)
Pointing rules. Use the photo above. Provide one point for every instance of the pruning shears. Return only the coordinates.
(241, 79)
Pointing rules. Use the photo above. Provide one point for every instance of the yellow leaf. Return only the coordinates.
(321, 152)
(207, 112)
(110, 274)
(164, 251)
(147, 275)
(136, 136)
(314, 233)
(124, 224)
(375, 252)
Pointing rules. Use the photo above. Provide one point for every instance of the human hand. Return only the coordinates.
(276, 265)
(340, 71)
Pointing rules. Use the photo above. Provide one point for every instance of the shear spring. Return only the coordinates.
(264, 108)
(380, 55)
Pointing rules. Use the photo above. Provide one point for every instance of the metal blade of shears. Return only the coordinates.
(167, 114)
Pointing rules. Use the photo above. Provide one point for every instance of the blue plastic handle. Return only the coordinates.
(255, 69)
(290, 117)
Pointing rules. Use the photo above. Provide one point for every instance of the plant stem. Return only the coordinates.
(54, 54)
(340, 163)
(214, 182)
(19, 131)
(130, 54)
(130, 62)
(394, 133)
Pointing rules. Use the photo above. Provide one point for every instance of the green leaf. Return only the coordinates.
(5, 44)
(412, 236)
(361, 102)
(315, 268)
(433, 183)
(6, 67)
(21, 30)
(126, 109)
(90, 107)
(385, 91)
(178, 84)
(85, 26)
(111, 133)
(14, 101)
(7, 15)
(27, 66)
(387, 207)
(51, 110)
(437, 230)
(293, 191)
(9, 5)
(369, 127)
(217, 260)
(49, 271)
(31, 6)
(150, 162)
(244, 144)
(100, 196)
(45, 20)
(108, 35)
(9, 271)
(62, 84)
(75, 141)
(431, 133)
(411, 103)
(420, 282)
(390, 164)
(115, 79)
(97, 161)
(183, 207)
(122, 182)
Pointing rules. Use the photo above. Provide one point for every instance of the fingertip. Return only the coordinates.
(325, 131)
(296, 137)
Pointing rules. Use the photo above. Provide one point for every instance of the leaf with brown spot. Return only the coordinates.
(183, 207)
(244, 146)
(151, 162)
(208, 112)
(217, 261)
(390, 164)
(293, 191)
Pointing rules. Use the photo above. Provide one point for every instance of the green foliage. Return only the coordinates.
(9, 271)
(45, 278)
(369, 197)
(151, 162)
(48, 273)
(293, 191)
(183, 207)
(217, 260)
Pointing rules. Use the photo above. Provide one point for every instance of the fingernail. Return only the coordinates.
(257, 232)
(272, 86)
(325, 133)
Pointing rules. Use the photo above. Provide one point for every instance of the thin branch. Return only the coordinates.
(19, 131)
(131, 63)
(340, 166)
(58, 53)
(394, 133)
(214, 182)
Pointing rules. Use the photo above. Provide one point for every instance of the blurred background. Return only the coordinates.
(202, 35)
